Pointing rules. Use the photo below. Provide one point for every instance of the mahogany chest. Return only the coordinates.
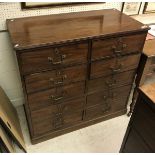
(77, 69)
(140, 136)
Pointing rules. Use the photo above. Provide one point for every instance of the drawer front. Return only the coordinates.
(118, 46)
(50, 58)
(55, 78)
(113, 66)
(55, 95)
(111, 98)
(112, 81)
(57, 117)
(145, 114)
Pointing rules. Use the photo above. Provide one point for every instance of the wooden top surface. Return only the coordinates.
(50, 29)
(149, 91)
(149, 48)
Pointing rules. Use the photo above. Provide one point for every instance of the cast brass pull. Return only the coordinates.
(112, 83)
(56, 98)
(116, 51)
(56, 82)
(116, 70)
(50, 59)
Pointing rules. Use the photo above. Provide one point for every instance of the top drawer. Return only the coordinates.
(118, 46)
(50, 58)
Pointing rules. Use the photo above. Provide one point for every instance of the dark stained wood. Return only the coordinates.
(46, 30)
(65, 60)
(140, 135)
(110, 98)
(112, 81)
(115, 65)
(76, 126)
(55, 95)
(117, 46)
(55, 78)
(57, 117)
(51, 58)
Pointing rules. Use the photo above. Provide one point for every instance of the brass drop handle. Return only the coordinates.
(116, 70)
(56, 82)
(110, 84)
(56, 98)
(58, 120)
(115, 50)
(50, 60)
(118, 51)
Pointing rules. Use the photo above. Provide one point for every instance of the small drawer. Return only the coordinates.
(119, 46)
(50, 58)
(55, 78)
(55, 95)
(112, 81)
(57, 117)
(111, 98)
(115, 65)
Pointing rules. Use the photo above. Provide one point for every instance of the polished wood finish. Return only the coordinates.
(55, 78)
(56, 95)
(115, 65)
(112, 81)
(140, 137)
(70, 62)
(48, 30)
(120, 45)
(51, 58)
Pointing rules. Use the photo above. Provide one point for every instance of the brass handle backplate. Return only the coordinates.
(59, 80)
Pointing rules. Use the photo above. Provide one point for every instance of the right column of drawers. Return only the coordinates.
(113, 65)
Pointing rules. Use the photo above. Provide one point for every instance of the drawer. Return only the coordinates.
(119, 46)
(145, 114)
(110, 98)
(55, 95)
(50, 58)
(112, 81)
(114, 65)
(55, 78)
(57, 117)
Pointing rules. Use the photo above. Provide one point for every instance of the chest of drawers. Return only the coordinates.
(77, 69)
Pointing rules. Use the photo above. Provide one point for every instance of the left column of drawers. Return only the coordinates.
(54, 79)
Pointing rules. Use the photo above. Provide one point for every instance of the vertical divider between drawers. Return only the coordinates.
(87, 74)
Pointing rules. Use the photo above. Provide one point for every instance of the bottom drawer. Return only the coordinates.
(104, 106)
(57, 117)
